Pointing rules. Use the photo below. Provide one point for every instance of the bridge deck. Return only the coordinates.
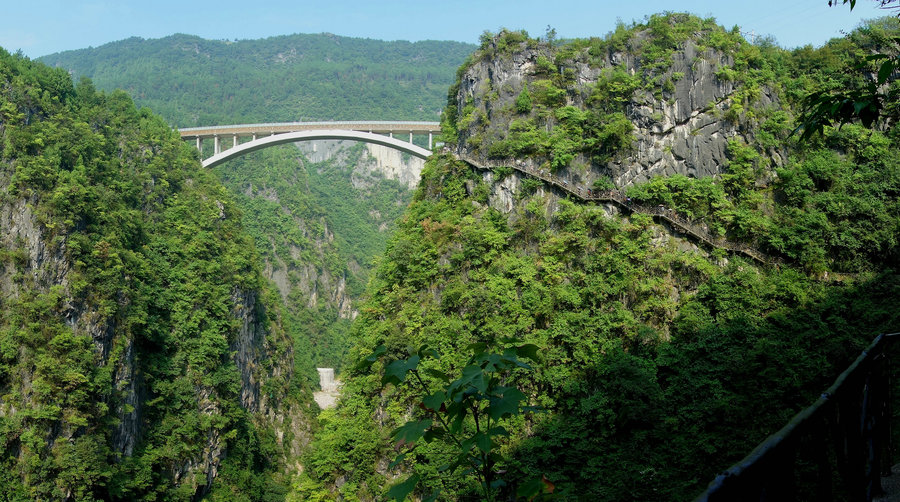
(374, 126)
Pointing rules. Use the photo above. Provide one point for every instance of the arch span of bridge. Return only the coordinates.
(368, 132)
(292, 137)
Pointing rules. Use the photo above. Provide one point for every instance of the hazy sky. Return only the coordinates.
(41, 27)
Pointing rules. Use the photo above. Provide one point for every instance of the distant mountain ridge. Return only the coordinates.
(194, 81)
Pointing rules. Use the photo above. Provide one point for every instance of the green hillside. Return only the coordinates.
(138, 343)
(191, 81)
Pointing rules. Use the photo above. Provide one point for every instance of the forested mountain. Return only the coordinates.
(142, 355)
(318, 222)
(542, 321)
(192, 81)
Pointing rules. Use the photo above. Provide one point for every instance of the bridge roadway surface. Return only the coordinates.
(372, 126)
(374, 132)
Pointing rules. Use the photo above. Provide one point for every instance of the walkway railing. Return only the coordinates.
(837, 449)
(694, 229)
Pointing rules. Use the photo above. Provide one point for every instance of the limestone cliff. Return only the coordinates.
(378, 160)
(682, 108)
(364, 165)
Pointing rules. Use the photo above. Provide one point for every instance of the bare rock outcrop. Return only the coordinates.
(681, 127)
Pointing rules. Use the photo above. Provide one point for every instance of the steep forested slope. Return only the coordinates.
(191, 81)
(319, 227)
(139, 350)
(318, 224)
(661, 360)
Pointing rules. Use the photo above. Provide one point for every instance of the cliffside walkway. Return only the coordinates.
(619, 198)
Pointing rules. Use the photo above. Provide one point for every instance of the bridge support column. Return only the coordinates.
(254, 136)
(234, 141)
(429, 141)
(410, 136)
(217, 146)
(390, 134)
(199, 145)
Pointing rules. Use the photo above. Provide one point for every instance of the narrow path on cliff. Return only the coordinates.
(617, 197)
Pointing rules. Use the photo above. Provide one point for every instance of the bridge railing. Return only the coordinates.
(836, 449)
(379, 126)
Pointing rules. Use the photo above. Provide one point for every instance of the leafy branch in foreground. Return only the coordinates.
(466, 413)
(869, 104)
(873, 102)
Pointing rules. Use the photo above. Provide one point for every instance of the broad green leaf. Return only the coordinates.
(885, 71)
(456, 424)
(483, 442)
(492, 362)
(529, 350)
(411, 431)
(440, 375)
(429, 352)
(472, 376)
(876, 57)
(467, 445)
(506, 404)
(477, 349)
(499, 431)
(402, 490)
(367, 363)
(396, 371)
(433, 433)
(530, 488)
(434, 401)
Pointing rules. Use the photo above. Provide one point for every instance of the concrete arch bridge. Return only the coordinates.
(246, 138)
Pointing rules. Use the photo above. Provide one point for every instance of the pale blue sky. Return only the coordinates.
(41, 27)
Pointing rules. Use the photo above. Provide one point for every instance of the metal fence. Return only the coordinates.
(836, 449)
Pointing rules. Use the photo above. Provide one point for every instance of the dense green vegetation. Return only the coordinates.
(652, 359)
(301, 217)
(191, 81)
(288, 203)
(837, 207)
(651, 365)
(120, 307)
(658, 366)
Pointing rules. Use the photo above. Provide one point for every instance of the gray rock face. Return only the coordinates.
(384, 161)
(318, 285)
(677, 130)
